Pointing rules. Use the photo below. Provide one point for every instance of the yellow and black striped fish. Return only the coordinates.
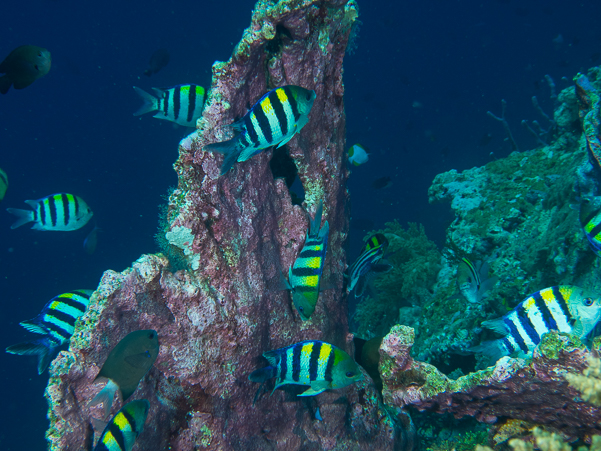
(564, 308)
(3, 184)
(274, 119)
(182, 104)
(125, 427)
(368, 262)
(305, 274)
(317, 364)
(590, 219)
(59, 212)
(56, 322)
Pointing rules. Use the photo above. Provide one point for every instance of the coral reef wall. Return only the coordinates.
(236, 233)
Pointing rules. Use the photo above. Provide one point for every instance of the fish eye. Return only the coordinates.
(349, 374)
(151, 335)
(36, 67)
(39, 53)
(301, 309)
(308, 96)
(588, 302)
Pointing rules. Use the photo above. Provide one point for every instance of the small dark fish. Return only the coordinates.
(91, 241)
(3, 184)
(369, 262)
(382, 183)
(158, 60)
(121, 432)
(485, 140)
(23, 66)
(126, 365)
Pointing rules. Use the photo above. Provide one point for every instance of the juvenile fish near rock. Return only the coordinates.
(564, 308)
(318, 364)
(158, 60)
(182, 104)
(56, 322)
(3, 184)
(368, 263)
(23, 66)
(125, 366)
(473, 281)
(305, 274)
(121, 432)
(56, 213)
(273, 120)
(590, 219)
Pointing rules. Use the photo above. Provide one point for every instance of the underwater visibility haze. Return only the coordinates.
(333, 185)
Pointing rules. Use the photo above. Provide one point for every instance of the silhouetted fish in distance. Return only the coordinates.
(23, 66)
(158, 60)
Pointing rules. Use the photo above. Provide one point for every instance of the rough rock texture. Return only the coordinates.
(236, 233)
(535, 391)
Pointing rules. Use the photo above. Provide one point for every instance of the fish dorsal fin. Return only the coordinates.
(498, 325)
(272, 357)
(316, 222)
(139, 360)
(31, 326)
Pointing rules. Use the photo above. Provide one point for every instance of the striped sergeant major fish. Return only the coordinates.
(59, 212)
(3, 184)
(590, 219)
(305, 274)
(56, 322)
(182, 104)
(273, 120)
(473, 281)
(121, 432)
(563, 308)
(368, 263)
(318, 364)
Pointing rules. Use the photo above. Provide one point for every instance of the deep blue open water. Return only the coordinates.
(417, 90)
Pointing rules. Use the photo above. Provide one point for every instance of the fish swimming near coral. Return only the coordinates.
(91, 241)
(121, 432)
(473, 281)
(56, 322)
(56, 213)
(273, 120)
(368, 263)
(590, 219)
(158, 60)
(3, 184)
(358, 154)
(182, 104)
(23, 66)
(318, 364)
(382, 183)
(305, 274)
(563, 308)
(125, 366)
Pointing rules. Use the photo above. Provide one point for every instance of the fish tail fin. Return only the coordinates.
(151, 103)
(262, 374)
(494, 349)
(316, 221)
(105, 396)
(486, 286)
(5, 84)
(230, 149)
(23, 216)
(40, 347)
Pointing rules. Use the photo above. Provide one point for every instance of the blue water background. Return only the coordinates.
(417, 90)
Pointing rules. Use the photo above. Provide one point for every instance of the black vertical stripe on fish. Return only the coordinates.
(595, 230)
(296, 361)
(330, 365)
(314, 361)
(244, 141)
(65, 335)
(515, 334)
(263, 122)
(62, 317)
(76, 304)
(279, 112)
(131, 420)
(303, 272)
(166, 103)
(309, 253)
(176, 102)
(35, 215)
(250, 129)
(545, 312)
(3, 178)
(508, 346)
(52, 208)
(76, 204)
(524, 319)
(65, 200)
(191, 102)
(293, 104)
(117, 435)
(42, 209)
(562, 304)
(283, 363)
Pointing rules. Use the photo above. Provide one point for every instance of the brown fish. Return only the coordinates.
(126, 365)
(158, 60)
(23, 66)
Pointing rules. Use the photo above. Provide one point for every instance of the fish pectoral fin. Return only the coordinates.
(285, 140)
(317, 387)
(578, 328)
(139, 360)
(487, 285)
